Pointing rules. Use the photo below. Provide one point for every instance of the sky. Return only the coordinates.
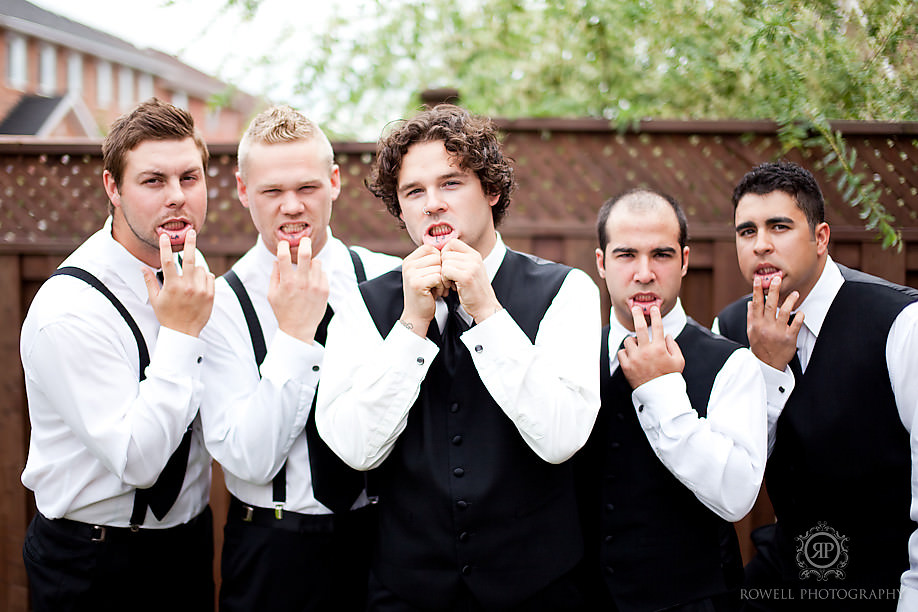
(202, 34)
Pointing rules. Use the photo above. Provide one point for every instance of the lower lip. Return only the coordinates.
(646, 306)
(176, 237)
(767, 278)
(441, 240)
(294, 237)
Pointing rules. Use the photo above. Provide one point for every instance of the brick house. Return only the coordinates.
(62, 79)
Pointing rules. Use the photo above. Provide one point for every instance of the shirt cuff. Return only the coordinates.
(660, 401)
(410, 354)
(289, 358)
(177, 355)
(908, 599)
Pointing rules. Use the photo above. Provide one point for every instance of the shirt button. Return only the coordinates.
(315, 368)
(420, 361)
(641, 408)
(478, 348)
(458, 472)
(200, 359)
(781, 389)
(457, 440)
(462, 504)
(466, 570)
(454, 407)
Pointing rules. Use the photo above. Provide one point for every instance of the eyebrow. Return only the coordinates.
(769, 221)
(632, 250)
(442, 177)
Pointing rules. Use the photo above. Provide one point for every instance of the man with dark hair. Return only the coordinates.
(298, 532)
(841, 470)
(464, 381)
(112, 371)
(678, 450)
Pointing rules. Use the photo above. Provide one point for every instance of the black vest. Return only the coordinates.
(841, 453)
(462, 498)
(654, 543)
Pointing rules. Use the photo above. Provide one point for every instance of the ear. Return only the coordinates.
(242, 191)
(600, 263)
(685, 253)
(493, 199)
(111, 189)
(335, 182)
(821, 233)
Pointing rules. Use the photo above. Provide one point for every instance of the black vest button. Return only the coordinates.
(466, 570)
(641, 408)
(614, 445)
(620, 416)
(608, 539)
(464, 536)
(454, 407)
(462, 504)
(609, 570)
(458, 472)
(457, 440)
(610, 507)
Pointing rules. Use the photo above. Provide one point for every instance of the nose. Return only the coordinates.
(436, 204)
(762, 243)
(176, 195)
(643, 272)
(290, 204)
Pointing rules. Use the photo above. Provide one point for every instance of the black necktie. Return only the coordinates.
(454, 327)
(335, 484)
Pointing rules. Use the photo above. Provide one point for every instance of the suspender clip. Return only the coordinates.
(278, 511)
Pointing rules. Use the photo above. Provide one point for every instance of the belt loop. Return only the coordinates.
(98, 533)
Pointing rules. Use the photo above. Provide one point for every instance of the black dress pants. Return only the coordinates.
(300, 563)
(74, 567)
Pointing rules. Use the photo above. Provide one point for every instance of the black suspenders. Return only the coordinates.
(279, 484)
(142, 497)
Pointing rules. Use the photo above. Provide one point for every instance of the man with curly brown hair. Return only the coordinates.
(464, 381)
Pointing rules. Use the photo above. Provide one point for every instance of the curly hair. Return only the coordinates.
(470, 139)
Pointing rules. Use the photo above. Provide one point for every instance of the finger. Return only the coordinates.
(788, 306)
(623, 360)
(304, 254)
(275, 275)
(758, 297)
(151, 282)
(773, 296)
(191, 241)
(640, 325)
(166, 262)
(797, 323)
(672, 347)
(656, 324)
(284, 259)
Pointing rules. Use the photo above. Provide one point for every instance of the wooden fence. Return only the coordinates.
(51, 199)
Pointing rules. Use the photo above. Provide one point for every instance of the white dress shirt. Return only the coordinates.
(902, 363)
(97, 432)
(548, 389)
(721, 457)
(253, 425)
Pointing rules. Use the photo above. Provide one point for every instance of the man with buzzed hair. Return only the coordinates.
(112, 366)
(299, 526)
(678, 450)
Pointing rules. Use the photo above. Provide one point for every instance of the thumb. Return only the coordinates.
(152, 284)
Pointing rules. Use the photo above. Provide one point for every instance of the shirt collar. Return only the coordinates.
(493, 259)
(119, 262)
(673, 324)
(817, 302)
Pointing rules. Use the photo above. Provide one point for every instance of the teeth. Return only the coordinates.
(292, 228)
(173, 225)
